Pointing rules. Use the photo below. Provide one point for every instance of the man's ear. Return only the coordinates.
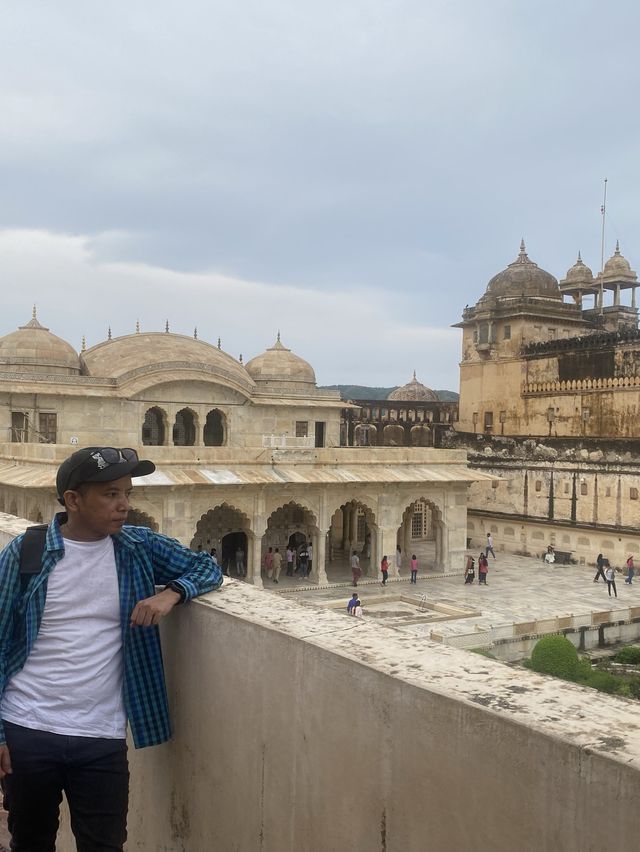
(71, 499)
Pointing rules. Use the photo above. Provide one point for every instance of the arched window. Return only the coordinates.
(214, 429)
(153, 431)
(184, 429)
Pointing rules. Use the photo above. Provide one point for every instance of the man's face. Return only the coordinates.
(99, 509)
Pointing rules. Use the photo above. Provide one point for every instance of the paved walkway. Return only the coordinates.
(519, 589)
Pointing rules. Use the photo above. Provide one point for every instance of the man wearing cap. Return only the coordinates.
(80, 654)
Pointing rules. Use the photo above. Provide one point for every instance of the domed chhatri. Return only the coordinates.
(618, 268)
(34, 349)
(523, 277)
(413, 391)
(579, 274)
(279, 365)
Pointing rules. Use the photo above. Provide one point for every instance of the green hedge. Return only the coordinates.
(630, 655)
(556, 656)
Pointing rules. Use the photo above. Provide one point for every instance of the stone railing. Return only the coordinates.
(580, 385)
(286, 442)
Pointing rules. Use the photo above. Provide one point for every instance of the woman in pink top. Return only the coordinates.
(414, 569)
(384, 567)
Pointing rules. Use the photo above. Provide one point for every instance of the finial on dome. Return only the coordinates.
(579, 260)
(240, 358)
(166, 327)
(34, 313)
(84, 343)
(219, 344)
(278, 338)
(522, 256)
(617, 246)
(109, 333)
(195, 333)
(137, 326)
(414, 376)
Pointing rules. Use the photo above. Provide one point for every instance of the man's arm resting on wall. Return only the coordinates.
(195, 573)
(150, 610)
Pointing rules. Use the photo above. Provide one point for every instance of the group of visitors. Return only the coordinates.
(483, 564)
(299, 561)
(608, 573)
(354, 607)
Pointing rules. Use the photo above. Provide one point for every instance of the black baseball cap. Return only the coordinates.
(99, 464)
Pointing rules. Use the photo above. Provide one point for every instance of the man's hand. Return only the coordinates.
(150, 610)
(5, 761)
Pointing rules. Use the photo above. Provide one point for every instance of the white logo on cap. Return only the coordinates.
(101, 462)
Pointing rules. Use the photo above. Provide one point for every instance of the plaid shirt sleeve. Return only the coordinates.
(196, 573)
(9, 593)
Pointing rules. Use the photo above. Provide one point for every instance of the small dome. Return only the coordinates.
(523, 277)
(579, 273)
(618, 268)
(34, 349)
(413, 391)
(279, 365)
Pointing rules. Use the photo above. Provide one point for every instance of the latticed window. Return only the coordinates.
(417, 524)
(47, 428)
(302, 428)
(19, 428)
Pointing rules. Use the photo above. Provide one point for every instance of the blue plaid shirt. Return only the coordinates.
(144, 559)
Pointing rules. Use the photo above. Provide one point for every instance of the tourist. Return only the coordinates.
(550, 556)
(483, 568)
(414, 569)
(309, 558)
(600, 563)
(352, 602)
(356, 571)
(384, 568)
(240, 562)
(268, 562)
(610, 576)
(630, 570)
(470, 571)
(94, 595)
(398, 560)
(276, 565)
(357, 610)
(289, 555)
(303, 561)
(489, 549)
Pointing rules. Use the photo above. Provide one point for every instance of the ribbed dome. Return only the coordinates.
(34, 349)
(163, 351)
(579, 272)
(279, 365)
(523, 277)
(618, 268)
(413, 391)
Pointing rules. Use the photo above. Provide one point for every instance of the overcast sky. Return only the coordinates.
(351, 172)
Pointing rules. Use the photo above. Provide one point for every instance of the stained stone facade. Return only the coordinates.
(248, 456)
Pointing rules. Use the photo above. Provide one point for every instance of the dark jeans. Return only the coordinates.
(94, 775)
(599, 573)
(385, 574)
(612, 585)
(414, 576)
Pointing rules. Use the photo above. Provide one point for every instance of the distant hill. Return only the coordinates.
(364, 392)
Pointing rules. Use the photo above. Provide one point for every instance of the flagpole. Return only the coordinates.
(603, 210)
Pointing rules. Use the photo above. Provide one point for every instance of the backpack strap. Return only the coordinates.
(31, 551)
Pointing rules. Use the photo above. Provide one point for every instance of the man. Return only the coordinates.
(289, 561)
(277, 565)
(303, 561)
(80, 654)
(309, 558)
(352, 602)
(489, 549)
(240, 562)
(356, 572)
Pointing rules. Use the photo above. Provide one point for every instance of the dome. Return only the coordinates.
(414, 391)
(578, 274)
(155, 352)
(523, 277)
(279, 365)
(618, 268)
(34, 349)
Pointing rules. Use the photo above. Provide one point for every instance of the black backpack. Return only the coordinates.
(31, 551)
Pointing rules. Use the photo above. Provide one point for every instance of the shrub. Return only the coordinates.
(630, 655)
(603, 681)
(634, 687)
(555, 655)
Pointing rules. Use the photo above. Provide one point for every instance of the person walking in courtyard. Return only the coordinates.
(384, 568)
(483, 569)
(240, 562)
(352, 602)
(469, 571)
(610, 576)
(356, 571)
(489, 548)
(303, 561)
(414, 569)
(600, 563)
(309, 558)
(81, 652)
(277, 565)
(398, 560)
(630, 570)
(289, 556)
(268, 562)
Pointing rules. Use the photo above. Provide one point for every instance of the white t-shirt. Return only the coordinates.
(72, 681)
